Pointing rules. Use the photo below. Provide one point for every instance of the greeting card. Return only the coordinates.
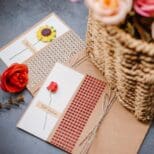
(66, 109)
(32, 41)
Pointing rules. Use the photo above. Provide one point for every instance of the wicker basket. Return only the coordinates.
(127, 64)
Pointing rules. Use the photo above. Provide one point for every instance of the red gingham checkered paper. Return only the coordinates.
(78, 113)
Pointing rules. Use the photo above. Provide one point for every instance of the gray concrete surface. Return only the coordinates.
(17, 16)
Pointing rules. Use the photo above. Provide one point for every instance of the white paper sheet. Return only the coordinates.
(34, 118)
(18, 52)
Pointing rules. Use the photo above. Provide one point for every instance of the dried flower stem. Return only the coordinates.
(12, 102)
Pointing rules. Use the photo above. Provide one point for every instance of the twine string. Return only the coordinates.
(109, 99)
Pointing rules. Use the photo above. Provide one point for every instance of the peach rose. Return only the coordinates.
(144, 7)
(110, 12)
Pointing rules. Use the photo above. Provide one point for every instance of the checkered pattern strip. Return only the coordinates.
(78, 113)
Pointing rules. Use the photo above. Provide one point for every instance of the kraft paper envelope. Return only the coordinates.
(120, 132)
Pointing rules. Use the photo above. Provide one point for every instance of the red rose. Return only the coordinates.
(53, 87)
(15, 78)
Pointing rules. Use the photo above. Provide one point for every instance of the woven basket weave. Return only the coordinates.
(127, 64)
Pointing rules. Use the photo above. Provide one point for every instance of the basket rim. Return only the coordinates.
(129, 41)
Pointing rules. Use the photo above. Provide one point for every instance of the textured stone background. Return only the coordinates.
(16, 16)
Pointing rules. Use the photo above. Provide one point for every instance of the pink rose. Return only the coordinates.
(152, 29)
(144, 7)
(111, 12)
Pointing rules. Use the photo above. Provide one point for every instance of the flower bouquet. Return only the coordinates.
(120, 42)
(135, 17)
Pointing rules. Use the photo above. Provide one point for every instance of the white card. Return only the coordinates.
(18, 52)
(40, 123)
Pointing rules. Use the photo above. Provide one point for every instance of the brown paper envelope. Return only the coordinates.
(120, 132)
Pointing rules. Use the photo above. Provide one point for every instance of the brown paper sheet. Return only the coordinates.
(120, 132)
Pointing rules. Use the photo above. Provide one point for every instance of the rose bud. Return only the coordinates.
(53, 86)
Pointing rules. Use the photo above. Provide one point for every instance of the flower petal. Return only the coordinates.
(115, 19)
(152, 29)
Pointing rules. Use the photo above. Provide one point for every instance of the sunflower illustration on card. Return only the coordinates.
(46, 33)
